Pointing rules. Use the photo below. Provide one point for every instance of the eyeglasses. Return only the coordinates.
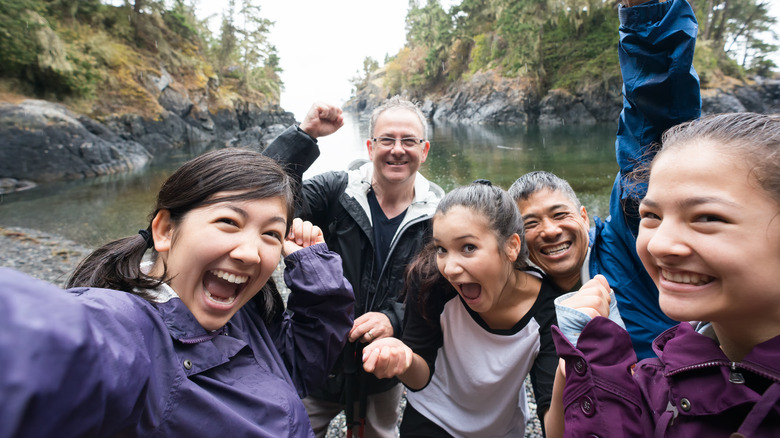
(407, 142)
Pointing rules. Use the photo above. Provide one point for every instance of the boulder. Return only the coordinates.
(559, 107)
(43, 141)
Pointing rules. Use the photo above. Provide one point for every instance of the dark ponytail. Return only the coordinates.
(116, 265)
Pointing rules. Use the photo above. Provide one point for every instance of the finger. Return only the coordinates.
(318, 236)
(370, 359)
(295, 230)
(330, 113)
(306, 233)
(603, 281)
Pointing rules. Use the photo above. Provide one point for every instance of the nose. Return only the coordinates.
(667, 239)
(550, 229)
(398, 147)
(247, 250)
(451, 267)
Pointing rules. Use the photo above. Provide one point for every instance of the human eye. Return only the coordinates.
(561, 215)
(709, 218)
(530, 224)
(276, 235)
(646, 216)
(386, 141)
(440, 250)
(469, 248)
(227, 221)
(409, 142)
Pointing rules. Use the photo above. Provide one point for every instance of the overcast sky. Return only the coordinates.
(322, 44)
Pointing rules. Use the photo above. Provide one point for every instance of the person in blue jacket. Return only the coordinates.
(660, 90)
(194, 342)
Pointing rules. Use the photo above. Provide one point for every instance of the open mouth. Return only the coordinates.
(396, 163)
(557, 249)
(686, 278)
(222, 288)
(470, 291)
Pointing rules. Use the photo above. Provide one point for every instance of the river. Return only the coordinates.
(95, 210)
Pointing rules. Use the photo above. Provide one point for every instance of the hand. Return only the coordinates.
(371, 326)
(592, 299)
(302, 234)
(322, 119)
(387, 357)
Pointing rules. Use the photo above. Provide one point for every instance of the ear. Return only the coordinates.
(584, 215)
(513, 246)
(426, 148)
(370, 149)
(162, 231)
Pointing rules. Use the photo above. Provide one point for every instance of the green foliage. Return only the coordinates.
(481, 53)
(578, 55)
(564, 43)
(18, 46)
(430, 27)
(182, 21)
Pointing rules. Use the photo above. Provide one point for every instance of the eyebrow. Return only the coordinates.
(245, 215)
(692, 202)
(465, 236)
(551, 208)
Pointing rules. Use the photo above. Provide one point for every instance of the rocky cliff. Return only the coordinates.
(489, 98)
(43, 141)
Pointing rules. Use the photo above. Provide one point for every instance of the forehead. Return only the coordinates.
(254, 208)
(398, 120)
(545, 200)
(457, 221)
(702, 169)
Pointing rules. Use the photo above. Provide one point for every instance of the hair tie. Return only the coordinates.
(147, 238)
(483, 181)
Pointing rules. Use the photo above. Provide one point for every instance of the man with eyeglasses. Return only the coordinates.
(376, 217)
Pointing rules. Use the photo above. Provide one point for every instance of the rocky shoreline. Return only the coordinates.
(42, 255)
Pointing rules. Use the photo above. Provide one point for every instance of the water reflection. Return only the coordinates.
(96, 210)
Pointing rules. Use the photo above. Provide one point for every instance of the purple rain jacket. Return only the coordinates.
(95, 362)
(690, 390)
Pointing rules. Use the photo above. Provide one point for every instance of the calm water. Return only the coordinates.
(94, 211)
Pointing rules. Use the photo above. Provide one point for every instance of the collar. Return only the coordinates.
(682, 349)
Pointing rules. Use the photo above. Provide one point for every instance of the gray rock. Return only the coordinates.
(559, 107)
(718, 101)
(41, 141)
(175, 102)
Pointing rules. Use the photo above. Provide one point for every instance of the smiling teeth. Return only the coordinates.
(231, 278)
(220, 301)
(687, 278)
(556, 249)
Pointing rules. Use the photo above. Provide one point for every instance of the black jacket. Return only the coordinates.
(337, 202)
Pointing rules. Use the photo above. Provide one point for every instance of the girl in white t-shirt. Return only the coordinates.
(477, 323)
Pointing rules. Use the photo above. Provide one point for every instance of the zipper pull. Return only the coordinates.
(736, 377)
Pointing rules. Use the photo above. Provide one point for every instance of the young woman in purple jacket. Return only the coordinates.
(194, 342)
(709, 237)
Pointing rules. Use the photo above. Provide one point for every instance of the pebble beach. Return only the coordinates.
(52, 258)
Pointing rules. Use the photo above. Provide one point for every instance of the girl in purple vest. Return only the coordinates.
(709, 237)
